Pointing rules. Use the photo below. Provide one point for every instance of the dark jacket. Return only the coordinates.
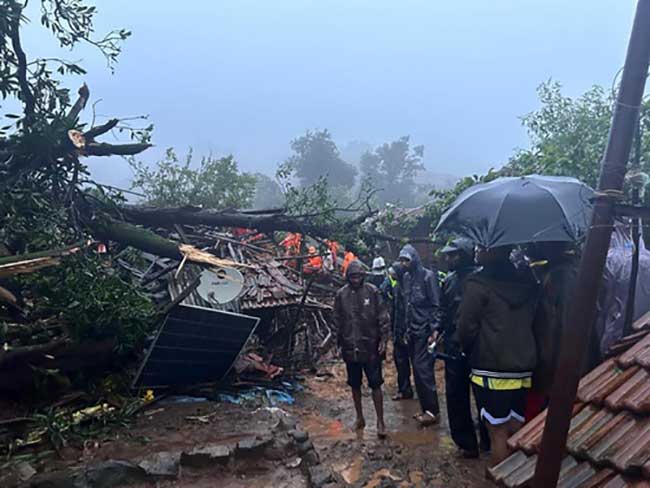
(495, 322)
(557, 293)
(375, 279)
(392, 293)
(421, 294)
(452, 293)
(361, 320)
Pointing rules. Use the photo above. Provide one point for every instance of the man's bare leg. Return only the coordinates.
(356, 396)
(499, 435)
(513, 426)
(378, 400)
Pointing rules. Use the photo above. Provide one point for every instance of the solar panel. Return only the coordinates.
(194, 345)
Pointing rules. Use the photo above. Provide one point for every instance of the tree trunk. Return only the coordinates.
(145, 240)
(137, 237)
(168, 216)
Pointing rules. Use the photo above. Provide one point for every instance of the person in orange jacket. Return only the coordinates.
(291, 244)
(314, 262)
(348, 257)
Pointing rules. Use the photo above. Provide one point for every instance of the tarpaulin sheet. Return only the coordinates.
(615, 286)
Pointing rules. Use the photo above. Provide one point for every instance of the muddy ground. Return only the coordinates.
(409, 457)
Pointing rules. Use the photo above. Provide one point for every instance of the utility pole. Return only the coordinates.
(582, 313)
(636, 236)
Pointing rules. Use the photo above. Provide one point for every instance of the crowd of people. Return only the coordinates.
(495, 317)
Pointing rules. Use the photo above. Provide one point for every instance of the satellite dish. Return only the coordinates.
(220, 286)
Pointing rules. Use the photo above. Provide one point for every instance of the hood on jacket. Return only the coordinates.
(399, 270)
(410, 253)
(504, 281)
(354, 267)
(462, 245)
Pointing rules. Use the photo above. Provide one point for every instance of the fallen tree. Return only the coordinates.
(145, 240)
(263, 222)
(270, 220)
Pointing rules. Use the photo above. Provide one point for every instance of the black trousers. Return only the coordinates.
(425, 380)
(403, 366)
(457, 392)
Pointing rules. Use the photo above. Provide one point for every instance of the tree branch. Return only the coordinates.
(80, 104)
(17, 258)
(21, 352)
(105, 149)
(101, 129)
(145, 240)
(25, 89)
(139, 238)
(168, 216)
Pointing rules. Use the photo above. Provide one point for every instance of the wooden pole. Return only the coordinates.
(582, 313)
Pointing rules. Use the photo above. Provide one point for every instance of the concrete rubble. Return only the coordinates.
(284, 446)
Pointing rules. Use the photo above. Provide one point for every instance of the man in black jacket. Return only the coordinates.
(362, 321)
(496, 331)
(459, 255)
(392, 291)
(421, 294)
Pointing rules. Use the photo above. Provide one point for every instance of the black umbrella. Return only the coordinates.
(515, 210)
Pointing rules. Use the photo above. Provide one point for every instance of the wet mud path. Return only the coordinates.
(323, 412)
(409, 457)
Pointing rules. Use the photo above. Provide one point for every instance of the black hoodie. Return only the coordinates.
(495, 322)
(421, 293)
(452, 295)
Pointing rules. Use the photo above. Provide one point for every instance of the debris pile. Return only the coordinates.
(293, 309)
(80, 383)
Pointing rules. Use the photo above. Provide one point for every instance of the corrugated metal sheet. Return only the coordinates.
(189, 273)
(195, 345)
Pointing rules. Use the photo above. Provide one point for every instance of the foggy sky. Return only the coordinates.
(245, 77)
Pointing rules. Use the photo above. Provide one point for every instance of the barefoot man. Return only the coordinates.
(362, 323)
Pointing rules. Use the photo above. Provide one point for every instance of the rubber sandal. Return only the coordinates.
(427, 418)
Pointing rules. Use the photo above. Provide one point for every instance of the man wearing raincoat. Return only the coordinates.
(459, 255)
(421, 295)
(392, 291)
(362, 323)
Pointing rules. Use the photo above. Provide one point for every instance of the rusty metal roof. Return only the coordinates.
(266, 285)
(609, 437)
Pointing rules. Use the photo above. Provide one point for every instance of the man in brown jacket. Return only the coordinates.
(362, 323)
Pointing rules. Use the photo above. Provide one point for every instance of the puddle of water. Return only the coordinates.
(414, 438)
(322, 427)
